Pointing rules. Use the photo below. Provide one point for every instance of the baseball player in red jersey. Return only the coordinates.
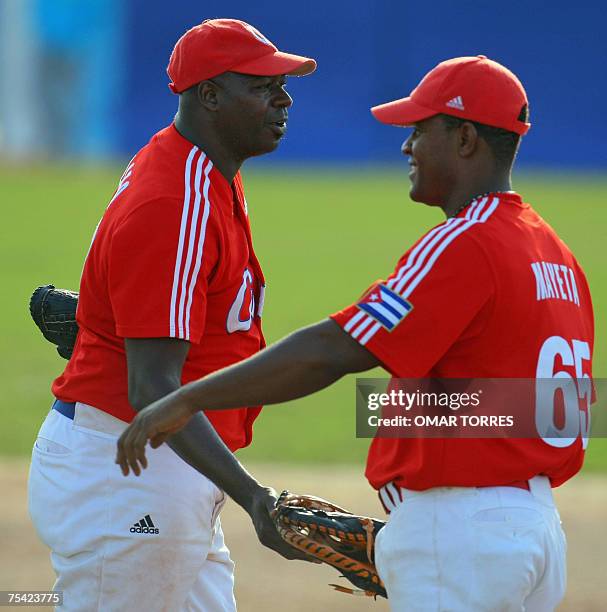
(171, 290)
(491, 292)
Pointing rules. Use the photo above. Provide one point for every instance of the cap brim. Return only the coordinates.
(277, 63)
(402, 112)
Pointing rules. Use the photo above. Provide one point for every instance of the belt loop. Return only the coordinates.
(390, 496)
(539, 487)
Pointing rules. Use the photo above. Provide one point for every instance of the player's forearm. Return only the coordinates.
(154, 368)
(274, 376)
(300, 364)
(199, 445)
(144, 392)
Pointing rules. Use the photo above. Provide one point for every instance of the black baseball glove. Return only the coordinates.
(334, 536)
(54, 312)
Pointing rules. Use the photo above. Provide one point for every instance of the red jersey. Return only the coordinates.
(491, 293)
(171, 258)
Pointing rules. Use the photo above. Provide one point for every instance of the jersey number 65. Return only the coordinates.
(574, 393)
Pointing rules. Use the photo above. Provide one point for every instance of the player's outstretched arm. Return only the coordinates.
(306, 361)
(154, 369)
(199, 445)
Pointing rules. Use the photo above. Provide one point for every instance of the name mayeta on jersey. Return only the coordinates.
(556, 281)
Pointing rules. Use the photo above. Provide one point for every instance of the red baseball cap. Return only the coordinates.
(229, 45)
(474, 88)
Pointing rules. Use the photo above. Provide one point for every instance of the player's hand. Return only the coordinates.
(155, 423)
(260, 511)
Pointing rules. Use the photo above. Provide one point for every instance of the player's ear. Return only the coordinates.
(206, 92)
(467, 139)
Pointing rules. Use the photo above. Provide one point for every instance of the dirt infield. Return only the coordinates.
(264, 582)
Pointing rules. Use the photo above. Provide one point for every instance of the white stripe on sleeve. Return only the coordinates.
(201, 238)
(354, 320)
(490, 210)
(191, 238)
(413, 255)
(182, 234)
(370, 334)
(361, 328)
(440, 236)
(474, 215)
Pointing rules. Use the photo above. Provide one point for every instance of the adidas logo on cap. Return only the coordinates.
(145, 525)
(456, 102)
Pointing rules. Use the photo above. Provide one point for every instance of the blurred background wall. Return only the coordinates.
(86, 79)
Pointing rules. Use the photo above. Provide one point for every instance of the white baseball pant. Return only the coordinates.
(493, 549)
(152, 542)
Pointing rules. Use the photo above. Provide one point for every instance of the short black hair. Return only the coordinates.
(503, 143)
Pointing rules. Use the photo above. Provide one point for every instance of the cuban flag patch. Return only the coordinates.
(385, 306)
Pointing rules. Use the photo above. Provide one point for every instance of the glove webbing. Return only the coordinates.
(330, 556)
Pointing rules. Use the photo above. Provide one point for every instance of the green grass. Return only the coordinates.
(322, 238)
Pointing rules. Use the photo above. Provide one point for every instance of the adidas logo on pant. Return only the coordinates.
(145, 525)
